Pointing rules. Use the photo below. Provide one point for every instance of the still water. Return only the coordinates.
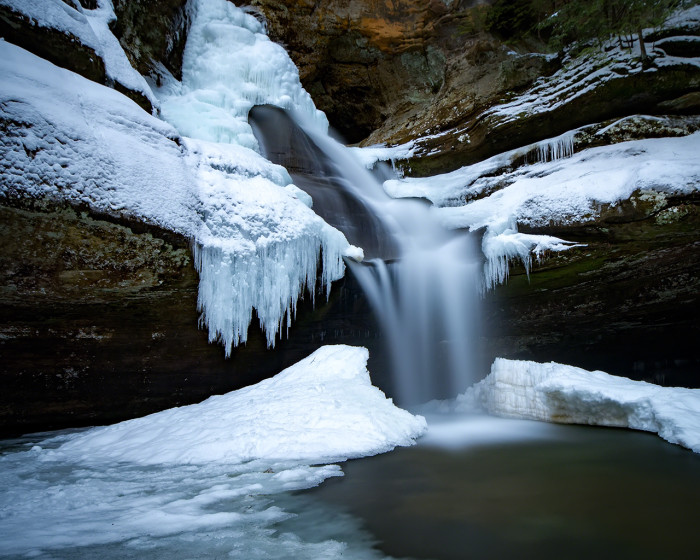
(492, 488)
(474, 487)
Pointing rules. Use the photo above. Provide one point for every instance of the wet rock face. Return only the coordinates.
(98, 323)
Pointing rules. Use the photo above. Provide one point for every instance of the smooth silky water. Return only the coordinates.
(494, 488)
(421, 280)
(479, 487)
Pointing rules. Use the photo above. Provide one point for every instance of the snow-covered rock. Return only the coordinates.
(320, 410)
(91, 28)
(257, 243)
(561, 189)
(559, 393)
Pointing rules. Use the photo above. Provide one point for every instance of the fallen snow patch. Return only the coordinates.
(558, 393)
(322, 409)
(209, 480)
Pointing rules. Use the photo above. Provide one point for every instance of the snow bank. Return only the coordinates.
(71, 139)
(558, 393)
(369, 156)
(572, 190)
(208, 480)
(91, 28)
(322, 409)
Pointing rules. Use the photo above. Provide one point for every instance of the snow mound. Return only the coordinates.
(559, 393)
(322, 409)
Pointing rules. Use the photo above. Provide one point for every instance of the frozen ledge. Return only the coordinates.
(559, 393)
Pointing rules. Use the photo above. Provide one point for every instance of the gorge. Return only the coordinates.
(180, 220)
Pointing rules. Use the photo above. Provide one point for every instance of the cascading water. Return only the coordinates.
(423, 282)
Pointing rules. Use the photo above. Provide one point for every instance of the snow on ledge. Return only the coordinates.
(321, 410)
(565, 394)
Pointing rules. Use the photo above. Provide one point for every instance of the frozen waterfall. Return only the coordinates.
(258, 244)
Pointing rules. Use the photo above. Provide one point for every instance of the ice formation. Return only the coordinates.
(209, 479)
(556, 148)
(503, 247)
(257, 243)
(230, 65)
(558, 393)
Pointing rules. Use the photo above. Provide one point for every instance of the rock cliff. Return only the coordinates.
(99, 318)
(426, 75)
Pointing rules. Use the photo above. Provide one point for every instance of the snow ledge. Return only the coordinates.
(565, 394)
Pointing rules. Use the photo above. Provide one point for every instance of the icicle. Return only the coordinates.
(270, 280)
(501, 249)
(556, 148)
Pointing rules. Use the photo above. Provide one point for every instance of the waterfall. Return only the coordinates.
(258, 244)
(423, 282)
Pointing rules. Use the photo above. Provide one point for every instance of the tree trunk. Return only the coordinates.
(642, 48)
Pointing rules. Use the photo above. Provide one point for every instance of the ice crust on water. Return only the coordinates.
(207, 479)
(256, 242)
(559, 393)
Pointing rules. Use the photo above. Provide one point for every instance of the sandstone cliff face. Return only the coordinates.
(98, 323)
(407, 71)
(380, 64)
